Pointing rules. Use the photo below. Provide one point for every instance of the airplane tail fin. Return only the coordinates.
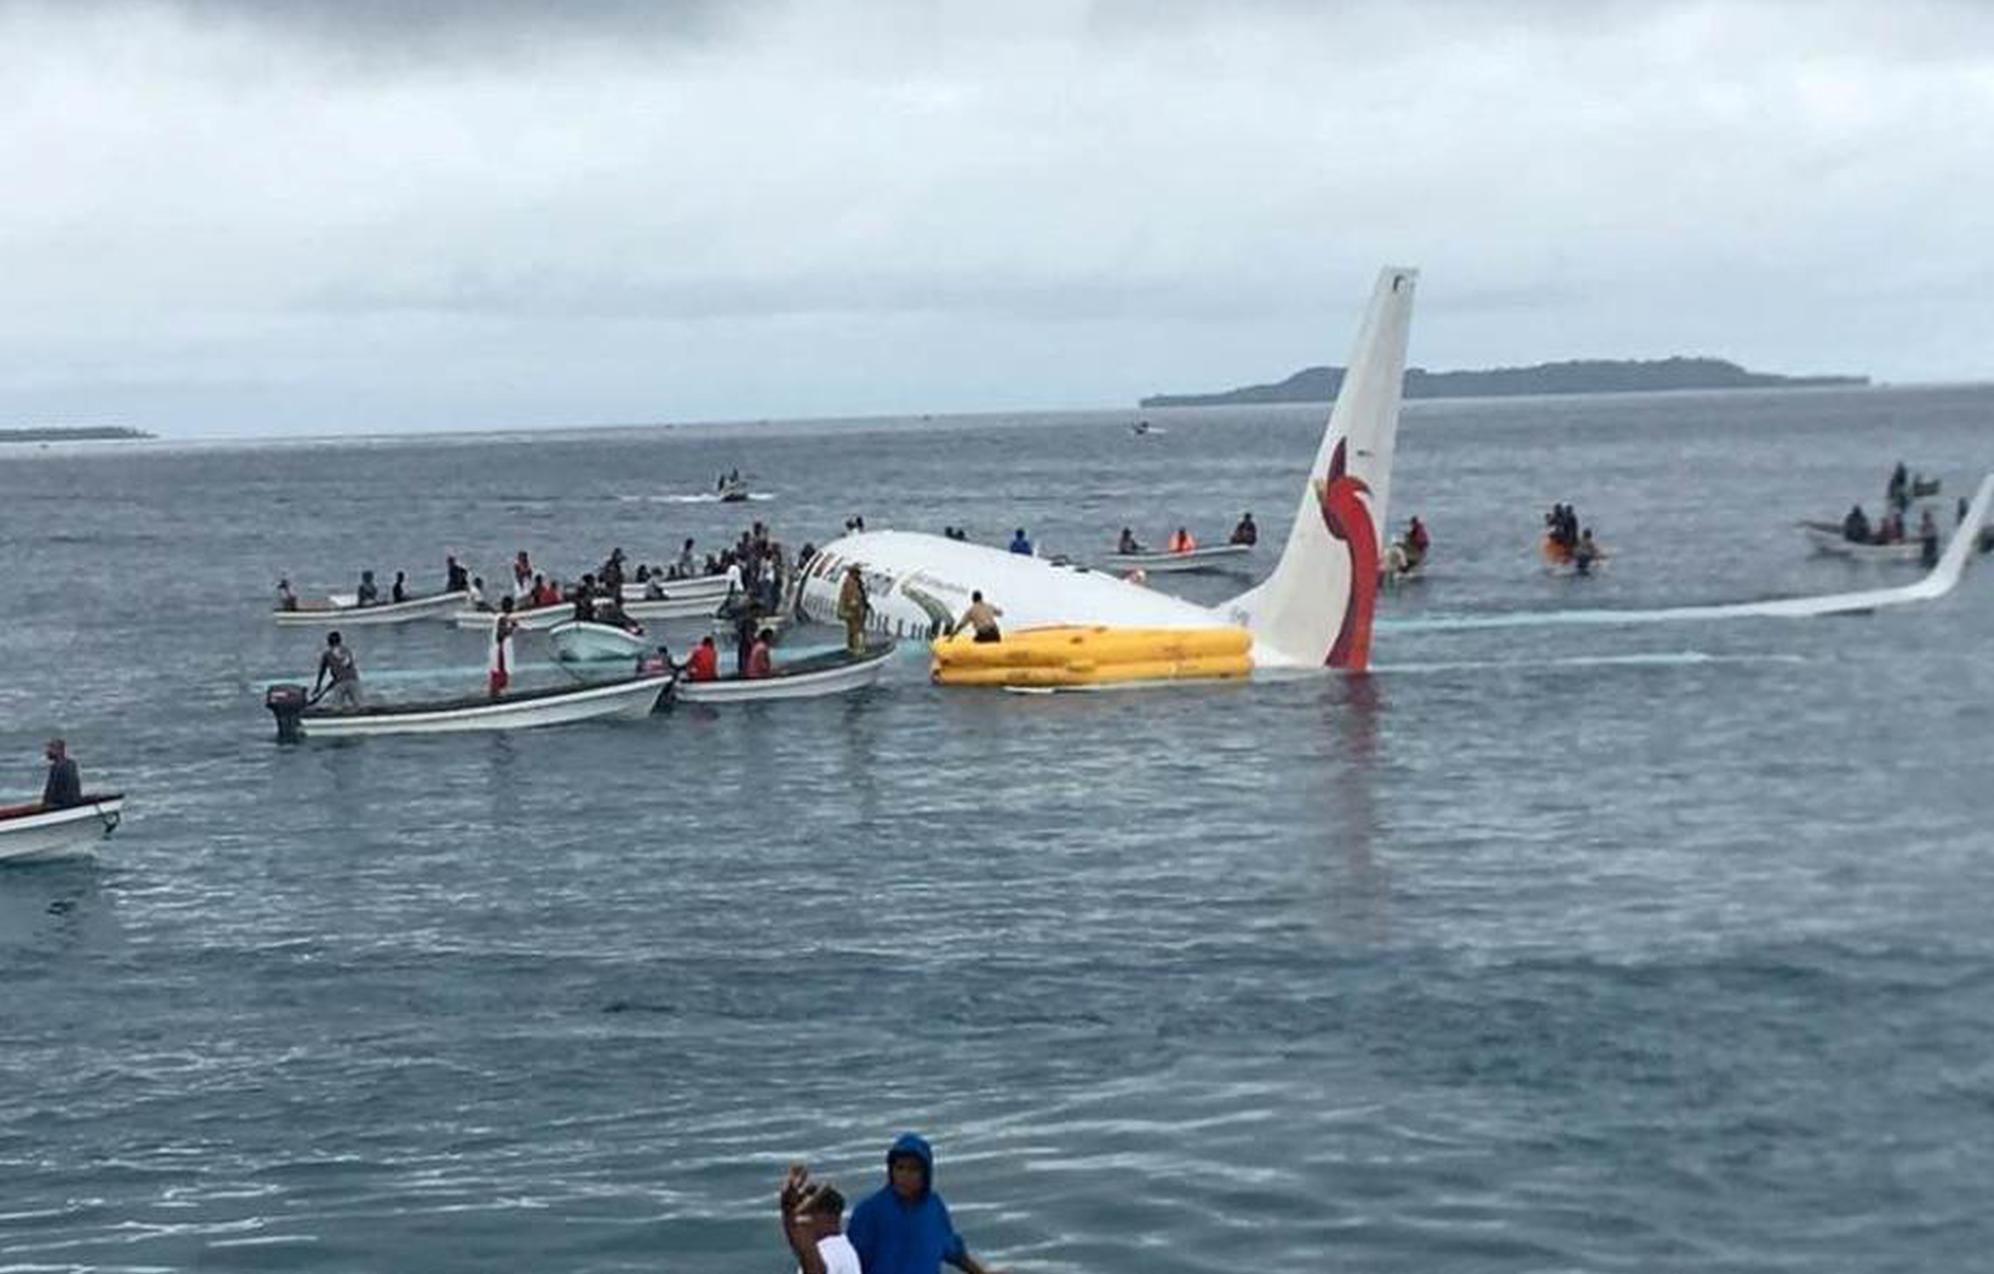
(1317, 606)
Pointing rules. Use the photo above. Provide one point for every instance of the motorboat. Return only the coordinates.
(1216, 557)
(734, 492)
(531, 619)
(585, 641)
(1828, 538)
(836, 672)
(698, 607)
(691, 586)
(628, 698)
(31, 832)
(348, 614)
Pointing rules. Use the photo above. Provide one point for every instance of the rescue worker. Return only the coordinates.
(853, 608)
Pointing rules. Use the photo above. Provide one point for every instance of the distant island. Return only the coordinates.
(80, 433)
(1579, 376)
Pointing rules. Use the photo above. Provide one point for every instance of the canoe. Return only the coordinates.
(31, 832)
(433, 606)
(627, 698)
(838, 672)
(1216, 557)
(583, 641)
(1827, 537)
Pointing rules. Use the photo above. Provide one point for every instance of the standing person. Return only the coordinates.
(400, 590)
(811, 1216)
(1020, 545)
(64, 787)
(455, 578)
(981, 617)
(853, 607)
(1416, 543)
(904, 1227)
(503, 628)
(336, 662)
(286, 599)
(523, 577)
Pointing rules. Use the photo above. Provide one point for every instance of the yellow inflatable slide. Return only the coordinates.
(1092, 655)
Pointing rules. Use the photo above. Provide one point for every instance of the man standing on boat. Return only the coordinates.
(336, 662)
(853, 606)
(64, 788)
(502, 630)
(455, 578)
(904, 1227)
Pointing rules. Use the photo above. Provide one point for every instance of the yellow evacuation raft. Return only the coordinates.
(1092, 656)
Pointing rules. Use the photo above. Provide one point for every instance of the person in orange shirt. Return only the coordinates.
(704, 662)
(1181, 541)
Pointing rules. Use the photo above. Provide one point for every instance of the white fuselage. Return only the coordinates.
(917, 583)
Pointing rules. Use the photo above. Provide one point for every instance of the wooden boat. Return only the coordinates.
(32, 832)
(625, 698)
(351, 615)
(585, 641)
(1216, 557)
(838, 672)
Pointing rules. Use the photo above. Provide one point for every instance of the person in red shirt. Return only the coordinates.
(704, 662)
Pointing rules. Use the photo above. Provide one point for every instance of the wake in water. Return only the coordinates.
(703, 497)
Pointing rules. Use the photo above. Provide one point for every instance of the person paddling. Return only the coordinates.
(64, 786)
(336, 662)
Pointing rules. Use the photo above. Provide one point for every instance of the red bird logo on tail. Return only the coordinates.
(1347, 514)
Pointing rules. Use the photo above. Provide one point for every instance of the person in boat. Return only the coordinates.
(1855, 527)
(335, 664)
(813, 1224)
(1246, 532)
(1128, 545)
(611, 574)
(369, 593)
(704, 662)
(400, 590)
(524, 578)
(455, 578)
(1585, 553)
(1898, 493)
(904, 1227)
(643, 575)
(980, 618)
(761, 658)
(499, 674)
(609, 610)
(745, 627)
(1182, 541)
(476, 593)
(1020, 545)
(63, 789)
(1928, 540)
(286, 599)
(584, 599)
(545, 592)
(853, 607)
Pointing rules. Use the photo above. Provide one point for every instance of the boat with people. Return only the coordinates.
(698, 607)
(1213, 557)
(33, 831)
(347, 612)
(1831, 539)
(586, 641)
(715, 585)
(625, 698)
(833, 673)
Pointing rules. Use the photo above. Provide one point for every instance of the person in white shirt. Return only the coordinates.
(812, 1221)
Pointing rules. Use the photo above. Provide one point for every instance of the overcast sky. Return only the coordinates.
(219, 216)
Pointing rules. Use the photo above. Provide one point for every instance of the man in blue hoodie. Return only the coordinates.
(904, 1227)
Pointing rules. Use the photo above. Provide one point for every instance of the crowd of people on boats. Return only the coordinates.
(1566, 543)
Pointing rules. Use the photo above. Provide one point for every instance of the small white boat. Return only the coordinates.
(531, 620)
(349, 615)
(692, 586)
(675, 607)
(584, 641)
(735, 492)
(31, 832)
(1217, 557)
(1827, 537)
(838, 672)
(628, 698)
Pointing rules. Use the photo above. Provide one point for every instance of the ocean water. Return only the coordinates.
(1582, 947)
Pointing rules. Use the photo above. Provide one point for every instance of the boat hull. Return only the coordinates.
(806, 679)
(578, 641)
(1219, 557)
(629, 699)
(31, 834)
(714, 586)
(536, 619)
(676, 607)
(435, 606)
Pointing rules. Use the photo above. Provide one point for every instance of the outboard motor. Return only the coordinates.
(287, 703)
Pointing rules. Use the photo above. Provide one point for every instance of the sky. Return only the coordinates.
(223, 217)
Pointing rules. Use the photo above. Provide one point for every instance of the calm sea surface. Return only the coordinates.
(1576, 947)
